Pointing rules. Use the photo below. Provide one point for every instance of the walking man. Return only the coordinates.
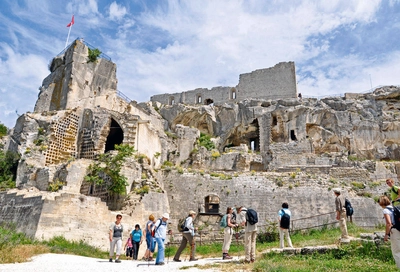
(160, 228)
(188, 237)
(249, 236)
(341, 213)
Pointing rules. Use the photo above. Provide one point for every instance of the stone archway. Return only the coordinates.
(115, 136)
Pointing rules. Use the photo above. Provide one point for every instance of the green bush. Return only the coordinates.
(205, 140)
(110, 165)
(8, 169)
(93, 54)
(3, 130)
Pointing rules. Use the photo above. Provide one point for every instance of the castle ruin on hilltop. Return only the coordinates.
(263, 146)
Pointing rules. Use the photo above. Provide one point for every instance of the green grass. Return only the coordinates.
(356, 256)
(17, 247)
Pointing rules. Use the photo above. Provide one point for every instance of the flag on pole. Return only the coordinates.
(72, 21)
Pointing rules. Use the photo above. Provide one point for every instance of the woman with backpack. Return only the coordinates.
(391, 232)
(228, 232)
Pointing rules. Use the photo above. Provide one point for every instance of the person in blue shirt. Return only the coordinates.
(136, 240)
(284, 228)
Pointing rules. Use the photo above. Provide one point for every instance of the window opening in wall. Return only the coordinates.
(91, 189)
(274, 121)
(171, 101)
(233, 94)
(211, 204)
(115, 136)
(199, 100)
(292, 135)
(209, 101)
(252, 143)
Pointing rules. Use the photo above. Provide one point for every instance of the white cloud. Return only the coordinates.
(117, 12)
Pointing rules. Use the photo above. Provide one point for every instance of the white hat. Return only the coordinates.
(336, 190)
(192, 212)
(165, 215)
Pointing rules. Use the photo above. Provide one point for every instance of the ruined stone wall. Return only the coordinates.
(188, 191)
(23, 212)
(278, 82)
(148, 142)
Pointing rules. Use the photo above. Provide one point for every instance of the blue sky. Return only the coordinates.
(172, 46)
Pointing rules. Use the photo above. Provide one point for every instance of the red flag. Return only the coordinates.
(72, 21)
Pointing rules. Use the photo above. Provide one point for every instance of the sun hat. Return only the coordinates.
(165, 215)
(192, 212)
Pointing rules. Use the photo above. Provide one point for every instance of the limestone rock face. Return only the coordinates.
(365, 128)
(76, 82)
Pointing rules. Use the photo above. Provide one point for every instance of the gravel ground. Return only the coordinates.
(62, 262)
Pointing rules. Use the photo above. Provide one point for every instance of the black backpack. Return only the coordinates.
(348, 207)
(252, 216)
(396, 215)
(285, 220)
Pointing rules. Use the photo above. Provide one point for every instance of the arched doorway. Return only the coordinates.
(115, 136)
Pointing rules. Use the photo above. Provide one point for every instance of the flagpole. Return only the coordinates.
(69, 31)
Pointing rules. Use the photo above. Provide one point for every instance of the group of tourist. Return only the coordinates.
(156, 230)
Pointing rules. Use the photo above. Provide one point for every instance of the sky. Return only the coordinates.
(169, 46)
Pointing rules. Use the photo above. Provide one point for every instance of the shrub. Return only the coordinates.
(110, 165)
(168, 164)
(205, 140)
(269, 233)
(3, 130)
(8, 169)
(143, 190)
(93, 54)
(55, 185)
(215, 154)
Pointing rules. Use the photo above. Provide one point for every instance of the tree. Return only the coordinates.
(110, 165)
(8, 169)
(3, 130)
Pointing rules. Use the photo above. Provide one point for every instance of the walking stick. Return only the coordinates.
(170, 234)
(237, 234)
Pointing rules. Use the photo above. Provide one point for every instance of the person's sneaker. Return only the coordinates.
(193, 260)
(162, 263)
(176, 260)
(227, 257)
(110, 260)
(252, 260)
(117, 260)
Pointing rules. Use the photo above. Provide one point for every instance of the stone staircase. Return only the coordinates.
(130, 129)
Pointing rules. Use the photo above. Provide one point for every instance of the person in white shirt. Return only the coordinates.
(188, 237)
(160, 228)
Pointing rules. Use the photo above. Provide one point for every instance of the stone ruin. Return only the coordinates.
(270, 147)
